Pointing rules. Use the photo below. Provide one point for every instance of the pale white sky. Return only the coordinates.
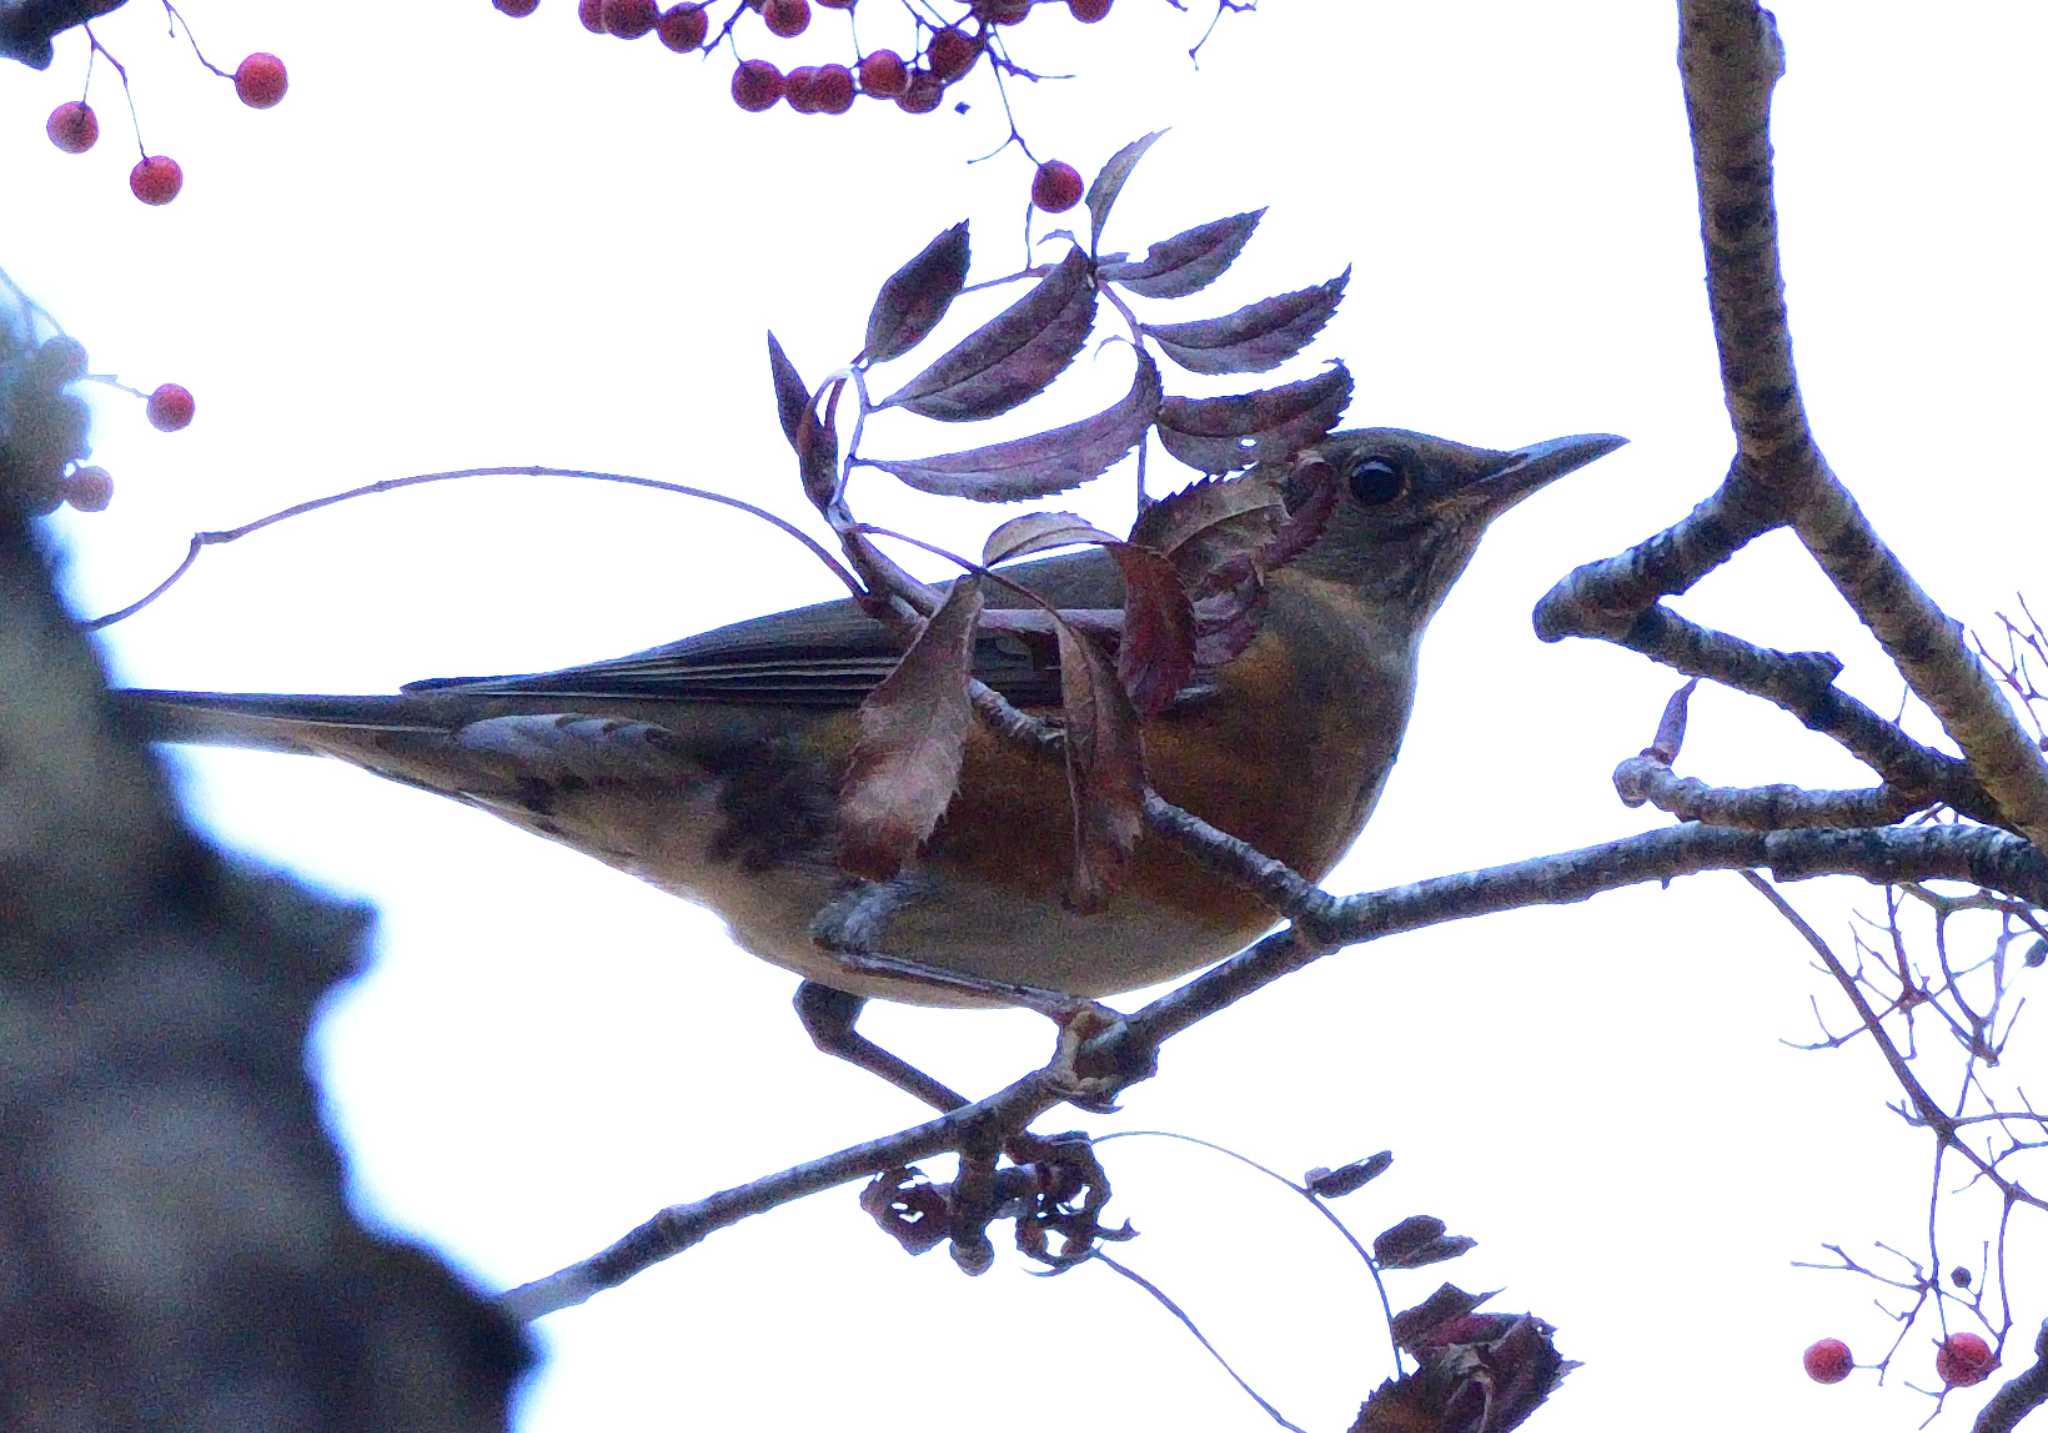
(464, 239)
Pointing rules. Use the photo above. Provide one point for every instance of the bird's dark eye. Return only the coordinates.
(1375, 481)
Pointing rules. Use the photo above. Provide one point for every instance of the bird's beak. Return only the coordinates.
(1540, 463)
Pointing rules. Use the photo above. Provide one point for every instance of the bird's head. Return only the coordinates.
(1411, 508)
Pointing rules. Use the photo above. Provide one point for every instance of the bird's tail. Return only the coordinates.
(269, 723)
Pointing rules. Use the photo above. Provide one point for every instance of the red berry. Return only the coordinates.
(832, 91)
(1088, 11)
(950, 54)
(156, 180)
(1963, 1359)
(517, 9)
(883, 74)
(787, 18)
(796, 88)
(169, 408)
(1829, 1361)
(73, 127)
(89, 489)
(1003, 12)
(591, 13)
(756, 85)
(682, 27)
(922, 94)
(260, 80)
(629, 19)
(1056, 187)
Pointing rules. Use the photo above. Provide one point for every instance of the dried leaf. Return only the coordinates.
(1209, 522)
(1190, 261)
(1156, 655)
(917, 296)
(1411, 1233)
(792, 395)
(1435, 1251)
(1255, 338)
(1349, 1178)
(1228, 612)
(1014, 356)
(1043, 463)
(1312, 497)
(913, 731)
(1040, 532)
(1105, 770)
(1218, 435)
(1110, 183)
(817, 447)
(1154, 631)
(1415, 1329)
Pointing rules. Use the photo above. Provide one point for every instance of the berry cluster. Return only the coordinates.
(43, 429)
(943, 55)
(260, 82)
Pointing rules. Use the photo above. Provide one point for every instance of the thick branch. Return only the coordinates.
(1730, 57)
(1995, 859)
(1758, 808)
(2020, 1396)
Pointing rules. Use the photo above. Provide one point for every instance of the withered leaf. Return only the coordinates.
(1156, 655)
(792, 395)
(1349, 1178)
(913, 733)
(1110, 183)
(1105, 770)
(1188, 262)
(1039, 532)
(1155, 629)
(1228, 611)
(1413, 1327)
(1218, 435)
(917, 296)
(1411, 1233)
(1256, 337)
(1312, 498)
(1043, 463)
(1014, 356)
(1210, 521)
(1435, 1251)
(816, 441)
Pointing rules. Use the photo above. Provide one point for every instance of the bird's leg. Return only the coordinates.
(850, 927)
(828, 1016)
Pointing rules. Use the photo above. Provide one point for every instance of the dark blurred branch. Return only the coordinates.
(28, 26)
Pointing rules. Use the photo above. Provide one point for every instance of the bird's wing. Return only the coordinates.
(832, 654)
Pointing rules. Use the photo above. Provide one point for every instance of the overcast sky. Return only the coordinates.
(463, 239)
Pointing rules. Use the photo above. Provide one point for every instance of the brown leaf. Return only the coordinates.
(1105, 770)
(1040, 532)
(1228, 612)
(1218, 435)
(913, 731)
(1350, 1178)
(817, 447)
(792, 395)
(1256, 337)
(1154, 631)
(1156, 655)
(1411, 1233)
(917, 296)
(1014, 356)
(1209, 522)
(1043, 463)
(1191, 260)
(1110, 183)
(1414, 1328)
(1311, 498)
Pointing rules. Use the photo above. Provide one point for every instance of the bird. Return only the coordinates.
(711, 766)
